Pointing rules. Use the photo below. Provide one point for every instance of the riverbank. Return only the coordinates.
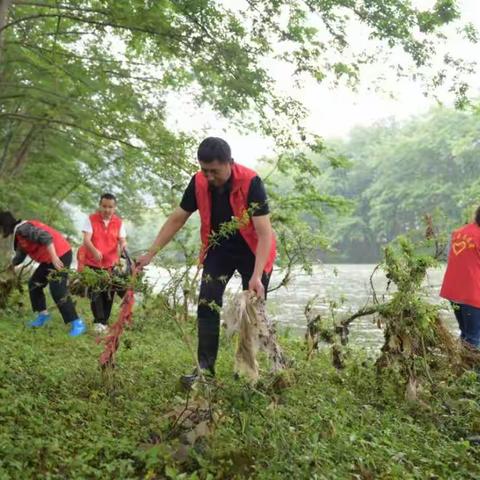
(60, 418)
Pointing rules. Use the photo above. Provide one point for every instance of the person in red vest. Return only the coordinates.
(461, 283)
(51, 251)
(104, 238)
(220, 191)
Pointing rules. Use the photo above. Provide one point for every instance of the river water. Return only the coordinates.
(346, 285)
(349, 287)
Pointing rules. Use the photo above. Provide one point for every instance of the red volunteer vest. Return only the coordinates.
(461, 283)
(241, 180)
(105, 239)
(39, 252)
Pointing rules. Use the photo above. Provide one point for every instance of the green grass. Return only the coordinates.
(60, 419)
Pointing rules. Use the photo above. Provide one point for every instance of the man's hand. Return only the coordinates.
(97, 254)
(57, 263)
(255, 285)
(143, 261)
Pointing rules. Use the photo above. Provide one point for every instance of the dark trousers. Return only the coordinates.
(58, 288)
(218, 268)
(468, 319)
(101, 303)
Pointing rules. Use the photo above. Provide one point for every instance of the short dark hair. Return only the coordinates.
(214, 148)
(108, 196)
(477, 216)
(7, 222)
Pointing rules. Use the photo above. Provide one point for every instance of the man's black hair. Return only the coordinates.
(214, 148)
(7, 222)
(108, 196)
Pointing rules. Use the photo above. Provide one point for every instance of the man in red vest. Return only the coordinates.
(51, 251)
(104, 238)
(461, 283)
(226, 194)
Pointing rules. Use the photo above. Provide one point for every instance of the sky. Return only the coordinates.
(335, 111)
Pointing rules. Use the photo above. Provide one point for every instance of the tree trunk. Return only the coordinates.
(21, 156)
(4, 6)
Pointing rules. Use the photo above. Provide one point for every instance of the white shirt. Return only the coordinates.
(87, 227)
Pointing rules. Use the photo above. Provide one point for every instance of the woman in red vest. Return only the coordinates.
(104, 237)
(222, 191)
(51, 251)
(461, 283)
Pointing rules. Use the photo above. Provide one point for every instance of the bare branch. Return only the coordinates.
(374, 293)
(361, 313)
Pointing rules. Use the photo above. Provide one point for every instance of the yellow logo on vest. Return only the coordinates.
(461, 242)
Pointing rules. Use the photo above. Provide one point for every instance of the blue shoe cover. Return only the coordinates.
(78, 327)
(40, 321)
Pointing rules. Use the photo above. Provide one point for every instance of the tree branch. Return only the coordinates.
(286, 277)
(33, 87)
(60, 67)
(65, 32)
(374, 293)
(361, 313)
(70, 54)
(21, 155)
(59, 7)
(70, 125)
(90, 21)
